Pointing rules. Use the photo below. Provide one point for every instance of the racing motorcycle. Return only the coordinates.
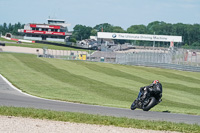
(149, 102)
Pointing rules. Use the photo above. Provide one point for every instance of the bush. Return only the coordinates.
(196, 44)
(73, 40)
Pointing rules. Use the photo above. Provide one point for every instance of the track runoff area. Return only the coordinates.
(12, 96)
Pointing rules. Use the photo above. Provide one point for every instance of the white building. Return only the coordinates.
(55, 30)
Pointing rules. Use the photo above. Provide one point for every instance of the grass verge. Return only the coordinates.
(97, 119)
(100, 83)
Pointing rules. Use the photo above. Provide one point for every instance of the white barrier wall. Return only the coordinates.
(33, 38)
(21, 40)
(57, 40)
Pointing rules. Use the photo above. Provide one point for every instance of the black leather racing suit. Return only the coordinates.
(152, 88)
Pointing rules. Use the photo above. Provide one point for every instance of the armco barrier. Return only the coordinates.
(166, 66)
(21, 40)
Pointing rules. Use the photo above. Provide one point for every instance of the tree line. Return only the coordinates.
(11, 28)
(189, 32)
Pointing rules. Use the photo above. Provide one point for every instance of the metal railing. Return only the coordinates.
(170, 59)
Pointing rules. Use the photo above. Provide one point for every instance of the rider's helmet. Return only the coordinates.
(155, 81)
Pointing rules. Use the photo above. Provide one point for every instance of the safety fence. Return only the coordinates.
(179, 60)
(170, 59)
(64, 54)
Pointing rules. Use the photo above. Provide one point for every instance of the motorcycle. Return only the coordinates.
(149, 102)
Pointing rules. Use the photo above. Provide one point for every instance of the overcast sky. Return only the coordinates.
(123, 13)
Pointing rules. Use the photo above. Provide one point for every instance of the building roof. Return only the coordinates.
(56, 20)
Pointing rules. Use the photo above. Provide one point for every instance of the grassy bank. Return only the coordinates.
(100, 83)
(96, 119)
(38, 45)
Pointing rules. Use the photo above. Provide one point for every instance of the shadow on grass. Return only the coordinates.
(166, 111)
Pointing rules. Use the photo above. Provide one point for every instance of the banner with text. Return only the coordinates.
(142, 37)
(44, 32)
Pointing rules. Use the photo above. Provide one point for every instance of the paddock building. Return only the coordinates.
(55, 30)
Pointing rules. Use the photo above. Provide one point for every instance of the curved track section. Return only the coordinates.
(11, 96)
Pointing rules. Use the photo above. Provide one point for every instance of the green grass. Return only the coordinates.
(100, 83)
(97, 119)
(39, 45)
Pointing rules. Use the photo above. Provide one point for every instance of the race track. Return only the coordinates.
(11, 96)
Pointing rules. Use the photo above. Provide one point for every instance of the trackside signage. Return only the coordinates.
(44, 32)
(143, 37)
(44, 26)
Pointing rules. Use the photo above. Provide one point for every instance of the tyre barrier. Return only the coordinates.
(2, 44)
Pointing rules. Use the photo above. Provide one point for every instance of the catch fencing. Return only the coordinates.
(170, 59)
(179, 59)
(62, 54)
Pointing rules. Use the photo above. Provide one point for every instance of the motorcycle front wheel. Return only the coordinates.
(133, 106)
(151, 103)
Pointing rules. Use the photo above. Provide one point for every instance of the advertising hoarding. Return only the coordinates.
(44, 26)
(142, 37)
(44, 32)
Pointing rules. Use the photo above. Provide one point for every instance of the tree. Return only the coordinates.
(5, 29)
(105, 27)
(196, 44)
(13, 29)
(93, 32)
(81, 32)
(73, 40)
(166, 29)
(137, 29)
(159, 28)
(118, 29)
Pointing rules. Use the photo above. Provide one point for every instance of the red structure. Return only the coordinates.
(55, 30)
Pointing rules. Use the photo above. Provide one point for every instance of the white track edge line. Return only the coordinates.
(11, 85)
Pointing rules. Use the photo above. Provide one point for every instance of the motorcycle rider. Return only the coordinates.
(155, 87)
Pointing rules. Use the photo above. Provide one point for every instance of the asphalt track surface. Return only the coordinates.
(11, 96)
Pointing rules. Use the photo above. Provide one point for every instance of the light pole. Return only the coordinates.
(154, 41)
